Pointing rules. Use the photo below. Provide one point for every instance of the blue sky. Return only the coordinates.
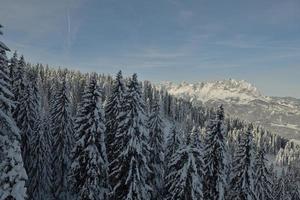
(191, 40)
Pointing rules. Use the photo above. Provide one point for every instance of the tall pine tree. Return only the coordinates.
(214, 158)
(280, 190)
(195, 136)
(262, 184)
(62, 131)
(113, 108)
(183, 181)
(156, 141)
(18, 86)
(40, 171)
(13, 67)
(88, 175)
(12, 172)
(173, 143)
(27, 116)
(114, 113)
(131, 169)
(241, 184)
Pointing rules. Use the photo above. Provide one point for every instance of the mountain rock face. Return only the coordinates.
(280, 115)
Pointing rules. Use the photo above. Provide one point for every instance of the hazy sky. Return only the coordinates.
(191, 40)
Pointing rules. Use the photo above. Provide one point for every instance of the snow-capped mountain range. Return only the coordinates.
(241, 99)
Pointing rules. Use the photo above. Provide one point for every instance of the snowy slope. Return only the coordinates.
(241, 99)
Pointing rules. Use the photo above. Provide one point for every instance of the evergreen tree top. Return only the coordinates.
(196, 137)
(92, 91)
(5, 93)
(155, 107)
(261, 154)
(134, 77)
(248, 133)
(250, 127)
(64, 83)
(174, 139)
(119, 76)
(15, 55)
(22, 60)
(3, 47)
(134, 96)
(220, 113)
(134, 84)
(118, 83)
(14, 58)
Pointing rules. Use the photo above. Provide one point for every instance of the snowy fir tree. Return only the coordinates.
(156, 142)
(40, 171)
(274, 178)
(197, 143)
(262, 183)
(115, 117)
(280, 191)
(12, 172)
(88, 176)
(242, 174)
(18, 76)
(26, 118)
(13, 67)
(131, 170)
(113, 109)
(196, 138)
(173, 143)
(62, 131)
(214, 158)
(183, 182)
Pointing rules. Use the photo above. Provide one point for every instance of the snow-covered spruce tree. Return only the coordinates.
(131, 169)
(12, 172)
(262, 183)
(173, 143)
(28, 109)
(195, 135)
(183, 182)
(18, 86)
(274, 178)
(196, 138)
(280, 190)
(113, 108)
(40, 171)
(156, 142)
(62, 131)
(242, 174)
(88, 176)
(13, 66)
(214, 158)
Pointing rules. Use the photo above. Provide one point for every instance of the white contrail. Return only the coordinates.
(69, 27)
(68, 35)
